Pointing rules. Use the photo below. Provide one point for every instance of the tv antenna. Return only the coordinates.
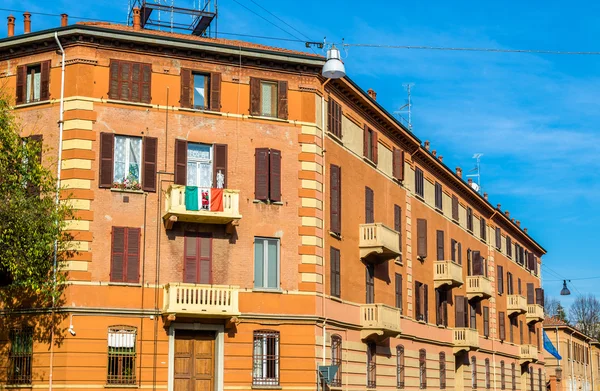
(476, 172)
(404, 111)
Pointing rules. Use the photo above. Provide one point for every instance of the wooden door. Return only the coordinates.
(194, 361)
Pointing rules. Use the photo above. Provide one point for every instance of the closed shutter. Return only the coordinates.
(477, 263)
(374, 146)
(398, 225)
(45, 80)
(254, 96)
(220, 164)
(190, 259)
(473, 313)
(531, 261)
(486, 321)
(459, 249)
(215, 91)
(335, 199)
(282, 100)
(205, 259)
(539, 296)
(369, 206)
(508, 246)
(135, 79)
(438, 196)
(180, 162)
(419, 186)
(370, 284)
(521, 332)
(418, 300)
(501, 325)
(459, 318)
(133, 255)
(261, 174)
(398, 281)
(422, 238)
(426, 302)
(453, 250)
(530, 293)
(500, 280)
(498, 238)
(438, 307)
(334, 118)
(519, 285)
(186, 86)
(440, 245)
(454, 208)
(398, 164)
(330, 114)
(275, 175)
(483, 227)
(145, 86)
(114, 85)
(197, 267)
(366, 140)
(21, 85)
(335, 272)
(470, 219)
(117, 255)
(150, 161)
(509, 283)
(107, 146)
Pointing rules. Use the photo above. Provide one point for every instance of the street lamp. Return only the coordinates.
(565, 291)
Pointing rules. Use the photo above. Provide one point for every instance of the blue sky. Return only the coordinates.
(534, 117)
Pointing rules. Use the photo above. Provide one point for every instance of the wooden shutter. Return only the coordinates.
(486, 321)
(215, 91)
(186, 88)
(521, 332)
(398, 225)
(190, 258)
(107, 151)
(275, 175)
(440, 245)
(124, 80)
(459, 249)
(469, 218)
(220, 163)
(509, 283)
(501, 325)
(519, 285)
(498, 238)
(335, 272)
(477, 263)
(374, 146)
(205, 259)
(180, 162)
(145, 83)
(418, 299)
(21, 84)
(426, 302)
(335, 198)
(422, 238)
(454, 208)
(453, 250)
(254, 96)
(483, 226)
(261, 174)
(500, 279)
(149, 163)
(117, 255)
(438, 308)
(398, 164)
(337, 120)
(369, 206)
(531, 261)
(366, 139)
(330, 114)
(45, 80)
(539, 296)
(282, 100)
(530, 293)
(133, 255)
(508, 246)
(136, 82)
(473, 314)
(370, 284)
(113, 86)
(459, 318)
(398, 283)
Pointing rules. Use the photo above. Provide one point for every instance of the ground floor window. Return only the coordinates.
(20, 356)
(265, 368)
(121, 355)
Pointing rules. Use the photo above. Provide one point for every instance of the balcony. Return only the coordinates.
(447, 273)
(217, 206)
(517, 304)
(479, 286)
(465, 339)
(200, 301)
(379, 321)
(528, 353)
(378, 242)
(535, 313)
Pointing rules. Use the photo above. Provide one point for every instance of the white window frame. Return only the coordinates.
(128, 157)
(274, 99)
(265, 265)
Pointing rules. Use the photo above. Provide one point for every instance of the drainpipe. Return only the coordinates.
(573, 386)
(323, 301)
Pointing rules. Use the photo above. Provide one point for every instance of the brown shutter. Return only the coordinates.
(205, 259)
(150, 160)
(366, 138)
(136, 80)
(477, 263)
(275, 175)
(398, 291)
(21, 84)
(483, 228)
(334, 255)
(509, 283)
(519, 285)
(500, 279)
(398, 225)
(530, 293)
(254, 96)
(180, 162)
(117, 255)
(215, 91)
(330, 115)
(124, 80)
(45, 80)
(375, 146)
(369, 206)
(531, 261)
(459, 319)
(186, 87)
(453, 250)
(113, 87)
(133, 255)
(539, 296)
(417, 300)
(422, 238)
(335, 199)
(454, 207)
(440, 245)
(498, 238)
(190, 258)
(438, 308)
(282, 100)
(398, 164)
(426, 302)
(501, 325)
(338, 120)
(486, 321)
(459, 249)
(261, 174)
(145, 84)
(220, 164)
(107, 146)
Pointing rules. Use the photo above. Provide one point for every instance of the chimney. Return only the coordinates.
(459, 172)
(427, 145)
(434, 153)
(11, 26)
(26, 22)
(507, 214)
(518, 224)
(371, 91)
(64, 20)
(525, 229)
(137, 21)
(498, 206)
(441, 158)
(513, 221)
(485, 195)
(470, 181)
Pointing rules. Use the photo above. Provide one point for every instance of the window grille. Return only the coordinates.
(121, 355)
(20, 356)
(265, 370)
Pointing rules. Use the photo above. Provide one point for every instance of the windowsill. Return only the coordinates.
(335, 138)
(335, 298)
(131, 284)
(419, 197)
(121, 386)
(267, 388)
(275, 119)
(439, 210)
(29, 104)
(129, 103)
(421, 322)
(335, 235)
(483, 241)
(203, 111)
(369, 161)
(398, 261)
(267, 290)
(267, 202)
(18, 386)
(127, 191)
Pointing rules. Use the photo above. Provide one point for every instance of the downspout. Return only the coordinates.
(323, 302)
(573, 386)
(60, 138)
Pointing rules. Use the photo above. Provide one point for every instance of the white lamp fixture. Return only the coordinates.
(334, 67)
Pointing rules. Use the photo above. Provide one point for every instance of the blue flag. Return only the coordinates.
(550, 348)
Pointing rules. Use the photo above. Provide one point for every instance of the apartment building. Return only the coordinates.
(242, 221)
(579, 368)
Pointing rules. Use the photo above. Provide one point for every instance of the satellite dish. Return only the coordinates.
(475, 186)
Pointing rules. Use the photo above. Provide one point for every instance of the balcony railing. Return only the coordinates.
(517, 304)
(535, 313)
(447, 273)
(465, 339)
(379, 321)
(528, 353)
(208, 206)
(201, 300)
(379, 241)
(479, 286)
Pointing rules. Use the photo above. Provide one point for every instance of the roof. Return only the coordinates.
(554, 321)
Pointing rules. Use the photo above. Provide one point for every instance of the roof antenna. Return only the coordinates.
(406, 108)
(477, 173)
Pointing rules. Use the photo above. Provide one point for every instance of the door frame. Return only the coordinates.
(219, 350)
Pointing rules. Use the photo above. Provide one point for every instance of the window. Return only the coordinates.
(473, 372)
(421, 304)
(400, 366)
(508, 246)
(509, 284)
(398, 164)
(398, 281)
(419, 184)
(334, 260)
(440, 245)
(200, 91)
(369, 206)
(336, 359)
(370, 144)
(398, 227)
(266, 263)
(197, 266)
(265, 358)
(201, 88)
(130, 81)
(442, 371)
(513, 326)
(501, 325)
(531, 388)
(461, 315)
(483, 229)
(441, 305)
(267, 175)
(473, 312)
(438, 196)
(422, 239)
(498, 239)
(519, 285)
(540, 379)
(125, 255)
(127, 160)
(121, 355)
(521, 332)
(469, 219)
(203, 166)
(486, 321)
(502, 379)
(33, 83)
(513, 377)
(371, 365)
(422, 369)
(334, 118)
(370, 284)
(335, 199)
(500, 279)
(459, 251)
(453, 250)
(20, 356)
(455, 208)
(530, 293)
(477, 264)
(487, 374)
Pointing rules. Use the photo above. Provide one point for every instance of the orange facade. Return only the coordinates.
(238, 229)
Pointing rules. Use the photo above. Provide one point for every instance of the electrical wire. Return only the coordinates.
(281, 20)
(577, 279)
(267, 20)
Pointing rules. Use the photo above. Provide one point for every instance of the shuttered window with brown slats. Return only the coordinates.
(149, 160)
(482, 229)
(27, 89)
(455, 208)
(370, 144)
(440, 245)
(421, 302)
(370, 284)
(398, 227)
(469, 219)
(498, 238)
(441, 306)
(398, 164)
(269, 98)
(334, 118)
(267, 174)
(509, 284)
(539, 296)
(438, 196)
(486, 321)
(461, 318)
(530, 293)
(130, 81)
(369, 206)
(422, 238)
(148, 167)
(501, 325)
(453, 244)
(500, 279)
(210, 82)
(335, 199)
(508, 246)
(335, 273)
(398, 291)
(477, 263)
(125, 255)
(419, 184)
(197, 266)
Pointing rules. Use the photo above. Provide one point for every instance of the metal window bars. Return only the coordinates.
(422, 369)
(121, 355)
(265, 371)
(400, 367)
(336, 359)
(442, 371)
(20, 356)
